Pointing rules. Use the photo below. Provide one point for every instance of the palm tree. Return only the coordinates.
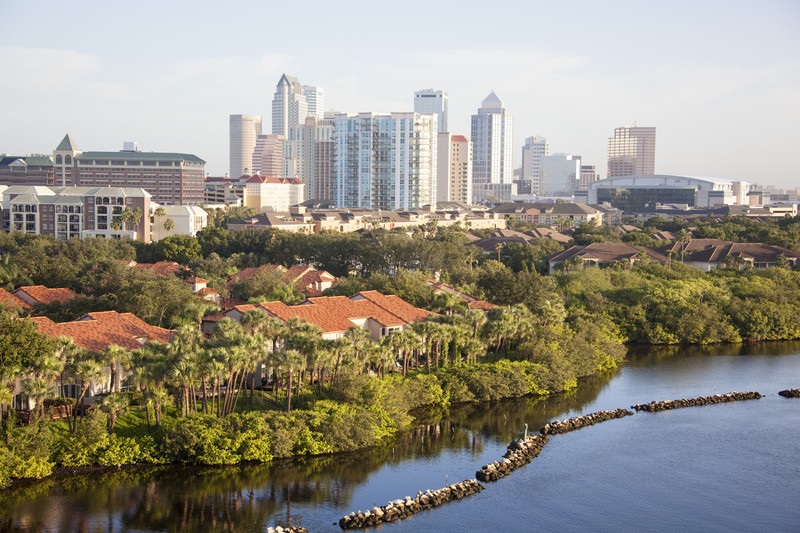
(113, 405)
(37, 389)
(289, 361)
(115, 357)
(86, 370)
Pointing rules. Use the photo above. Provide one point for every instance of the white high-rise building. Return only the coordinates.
(560, 173)
(244, 131)
(492, 151)
(534, 149)
(433, 101)
(289, 105)
(385, 162)
(315, 101)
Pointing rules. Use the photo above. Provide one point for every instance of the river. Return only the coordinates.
(728, 467)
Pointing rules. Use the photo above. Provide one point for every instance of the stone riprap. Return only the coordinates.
(287, 529)
(565, 426)
(790, 393)
(667, 405)
(519, 453)
(399, 509)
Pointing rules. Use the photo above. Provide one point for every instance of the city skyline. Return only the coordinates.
(720, 81)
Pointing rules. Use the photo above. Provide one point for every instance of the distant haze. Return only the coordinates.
(719, 80)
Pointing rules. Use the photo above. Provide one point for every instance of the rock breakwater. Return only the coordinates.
(667, 405)
(565, 426)
(519, 453)
(790, 393)
(399, 509)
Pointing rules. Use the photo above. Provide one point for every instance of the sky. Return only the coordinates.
(720, 80)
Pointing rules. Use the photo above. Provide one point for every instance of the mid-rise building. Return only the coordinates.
(244, 132)
(270, 194)
(455, 169)
(492, 151)
(176, 220)
(588, 175)
(632, 151)
(534, 149)
(289, 105)
(27, 170)
(385, 162)
(429, 101)
(77, 212)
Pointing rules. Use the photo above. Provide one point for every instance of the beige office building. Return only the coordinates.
(632, 151)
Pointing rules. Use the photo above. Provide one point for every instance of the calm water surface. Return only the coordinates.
(731, 467)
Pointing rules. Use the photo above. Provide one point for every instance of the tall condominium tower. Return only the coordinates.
(289, 105)
(315, 100)
(244, 130)
(385, 162)
(632, 151)
(431, 101)
(533, 151)
(492, 149)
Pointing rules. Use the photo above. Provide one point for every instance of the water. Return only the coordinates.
(729, 467)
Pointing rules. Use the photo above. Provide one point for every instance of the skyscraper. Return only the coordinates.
(533, 151)
(244, 130)
(632, 151)
(315, 100)
(309, 156)
(492, 149)
(289, 105)
(431, 101)
(268, 156)
(385, 162)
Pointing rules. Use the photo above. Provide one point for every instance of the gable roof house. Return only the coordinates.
(12, 302)
(603, 254)
(378, 313)
(307, 279)
(707, 254)
(39, 294)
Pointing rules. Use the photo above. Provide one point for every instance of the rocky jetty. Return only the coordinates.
(399, 509)
(287, 529)
(579, 422)
(519, 453)
(790, 393)
(695, 402)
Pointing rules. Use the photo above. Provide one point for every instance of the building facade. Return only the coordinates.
(243, 135)
(534, 149)
(429, 101)
(270, 194)
(268, 156)
(315, 101)
(492, 151)
(559, 174)
(309, 156)
(27, 170)
(632, 151)
(385, 162)
(77, 212)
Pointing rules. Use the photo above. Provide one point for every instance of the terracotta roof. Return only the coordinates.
(195, 279)
(11, 301)
(44, 295)
(271, 179)
(162, 268)
(472, 302)
(96, 331)
(458, 138)
(336, 314)
(302, 276)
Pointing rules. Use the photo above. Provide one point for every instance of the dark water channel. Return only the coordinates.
(730, 467)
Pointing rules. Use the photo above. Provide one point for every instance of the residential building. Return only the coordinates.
(385, 162)
(223, 191)
(559, 173)
(632, 151)
(492, 151)
(307, 279)
(12, 302)
(268, 194)
(27, 170)
(604, 254)
(377, 313)
(534, 149)
(171, 178)
(268, 158)
(707, 254)
(176, 220)
(563, 215)
(454, 169)
(76, 212)
(39, 294)
(429, 101)
(289, 105)
(244, 132)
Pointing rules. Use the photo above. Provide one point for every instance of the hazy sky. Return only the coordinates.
(719, 80)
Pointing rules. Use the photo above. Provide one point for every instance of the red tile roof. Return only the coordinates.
(11, 301)
(162, 268)
(304, 277)
(44, 295)
(96, 331)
